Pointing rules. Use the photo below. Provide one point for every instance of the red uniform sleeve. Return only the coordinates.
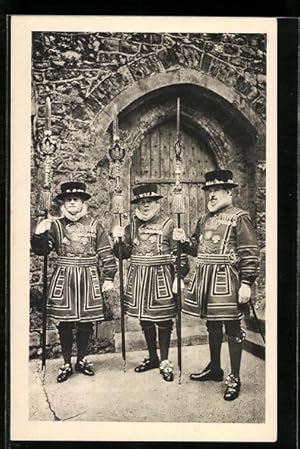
(184, 261)
(191, 246)
(125, 246)
(247, 249)
(105, 253)
(43, 244)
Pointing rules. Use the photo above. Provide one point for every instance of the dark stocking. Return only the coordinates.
(164, 337)
(236, 337)
(215, 337)
(84, 331)
(65, 330)
(150, 337)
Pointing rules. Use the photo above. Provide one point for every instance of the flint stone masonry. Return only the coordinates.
(86, 74)
(83, 65)
(102, 338)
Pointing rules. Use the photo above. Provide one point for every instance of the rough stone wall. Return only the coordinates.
(83, 73)
(261, 227)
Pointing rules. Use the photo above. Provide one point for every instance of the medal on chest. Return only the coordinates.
(147, 238)
(78, 235)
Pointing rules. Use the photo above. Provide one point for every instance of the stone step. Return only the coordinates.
(135, 340)
(254, 344)
(133, 324)
(195, 334)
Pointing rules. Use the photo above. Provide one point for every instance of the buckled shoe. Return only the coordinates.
(85, 367)
(146, 365)
(233, 387)
(166, 370)
(64, 372)
(208, 374)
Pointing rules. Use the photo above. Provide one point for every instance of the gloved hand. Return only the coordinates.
(107, 286)
(43, 226)
(179, 235)
(244, 293)
(175, 284)
(118, 231)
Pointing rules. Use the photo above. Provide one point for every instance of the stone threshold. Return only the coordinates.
(193, 333)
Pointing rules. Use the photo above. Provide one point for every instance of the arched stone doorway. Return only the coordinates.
(214, 135)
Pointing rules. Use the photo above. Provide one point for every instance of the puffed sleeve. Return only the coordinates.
(191, 245)
(125, 246)
(247, 249)
(43, 244)
(184, 261)
(105, 253)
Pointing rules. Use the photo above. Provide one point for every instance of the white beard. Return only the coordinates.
(150, 214)
(219, 204)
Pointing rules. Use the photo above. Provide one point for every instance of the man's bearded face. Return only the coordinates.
(147, 206)
(218, 197)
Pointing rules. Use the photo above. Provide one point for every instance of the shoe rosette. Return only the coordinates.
(166, 369)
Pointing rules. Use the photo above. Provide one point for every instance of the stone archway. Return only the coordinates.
(232, 138)
(179, 76)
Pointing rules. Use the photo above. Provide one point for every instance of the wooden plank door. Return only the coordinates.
(154, 161)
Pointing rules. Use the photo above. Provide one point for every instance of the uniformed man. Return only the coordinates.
(75, 293)
(148, 242)
(225, 244)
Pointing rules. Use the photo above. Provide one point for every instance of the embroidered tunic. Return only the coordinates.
(74, 291)
(151, 249)
(227, 253)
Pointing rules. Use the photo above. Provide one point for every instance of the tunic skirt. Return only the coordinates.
(148, 294)
(213, 290)
(74, 292)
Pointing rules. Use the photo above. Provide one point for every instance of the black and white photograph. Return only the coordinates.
(143, 211)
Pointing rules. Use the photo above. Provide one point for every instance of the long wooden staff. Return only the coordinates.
(117, 154)
(45, 295)
(47, 149)
(178, 208)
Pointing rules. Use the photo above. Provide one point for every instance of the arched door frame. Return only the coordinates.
(133, 97)
(180, 76)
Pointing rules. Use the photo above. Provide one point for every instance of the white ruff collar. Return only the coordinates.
(147, 217)
(74, 217)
